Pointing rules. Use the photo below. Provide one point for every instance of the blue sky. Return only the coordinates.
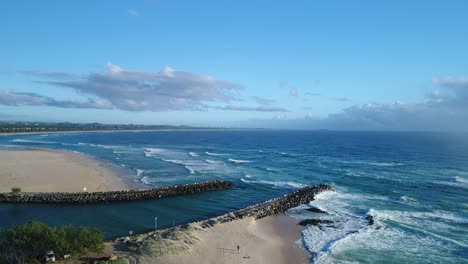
(378, 65)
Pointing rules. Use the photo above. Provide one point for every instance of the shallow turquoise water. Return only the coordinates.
(414, 184)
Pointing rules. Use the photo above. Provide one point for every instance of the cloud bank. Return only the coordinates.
(16, 99)
(128, 90)
(118, 88)
(445, 109)
(252, 109)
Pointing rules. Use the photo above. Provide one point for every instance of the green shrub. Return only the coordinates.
(35, 238)
(16, 190)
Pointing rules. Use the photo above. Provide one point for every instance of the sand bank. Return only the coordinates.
(269, 240)
(38, 170)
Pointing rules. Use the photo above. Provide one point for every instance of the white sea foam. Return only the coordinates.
(275, 183)
(272, 169)
(385, 164)
(236, 161)
(322, 239)
(145, 180)
(139, 172)
(372, 163)
(20, 140)
(460, 179)
(174, 161)
(190, 169)
(216, 154)
(452, 184)
(409, 200)
(151, 152)
(416, 218)
(211, 161)
(382, 241)
(193, 154)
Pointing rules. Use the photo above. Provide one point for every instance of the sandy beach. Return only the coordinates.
(270, 240)
(38, 170)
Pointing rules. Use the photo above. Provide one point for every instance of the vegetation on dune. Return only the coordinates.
(28, 243)
(15, 190)
(25, 127)
(166, 242)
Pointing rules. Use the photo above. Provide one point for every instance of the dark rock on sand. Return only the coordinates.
(315, 222)
(316, 210)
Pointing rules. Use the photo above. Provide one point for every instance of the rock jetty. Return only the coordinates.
(113, 196)
(273, 206)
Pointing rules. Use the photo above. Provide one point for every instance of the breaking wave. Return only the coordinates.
(238, 161)
(20, 140)
(274, 183)
(216, 154)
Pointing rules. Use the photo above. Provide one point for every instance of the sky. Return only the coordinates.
(342, 65)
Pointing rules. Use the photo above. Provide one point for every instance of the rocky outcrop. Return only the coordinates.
(315, 222)
(113, 196)
(316, 210)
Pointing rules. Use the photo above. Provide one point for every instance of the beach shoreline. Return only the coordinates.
(46, 170)
(272, 240)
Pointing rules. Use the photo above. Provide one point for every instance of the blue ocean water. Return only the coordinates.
(415, 185)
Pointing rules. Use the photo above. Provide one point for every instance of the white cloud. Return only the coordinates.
(167, 89)
(445, 109)
(262, 101)
(11, 98)
(252, 109)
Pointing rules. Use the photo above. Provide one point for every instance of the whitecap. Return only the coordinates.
(372, 163)
(388, 240)
(174, 161)
(193, 154)
(190, 169)
(139, 172)
(216, 154)
(460, 179)
(151, 152)
(275, 183)
(406, 199)
(238, 161)
(20, 140)
(145, 180)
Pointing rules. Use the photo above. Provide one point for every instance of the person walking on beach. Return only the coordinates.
(238, 248)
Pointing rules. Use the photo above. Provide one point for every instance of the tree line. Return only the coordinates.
(27, 244)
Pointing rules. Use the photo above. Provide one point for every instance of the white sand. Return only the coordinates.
(38, 170)
(270, 240)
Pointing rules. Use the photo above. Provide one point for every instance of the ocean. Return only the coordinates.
(414, 184)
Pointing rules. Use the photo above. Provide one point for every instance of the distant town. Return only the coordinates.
(25, 127)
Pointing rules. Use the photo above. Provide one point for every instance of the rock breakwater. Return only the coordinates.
(273, 206)
(113, 196)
